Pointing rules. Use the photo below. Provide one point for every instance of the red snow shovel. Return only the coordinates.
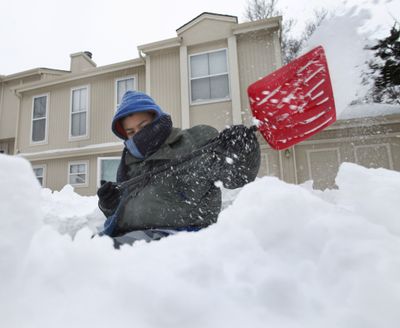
(294, 102)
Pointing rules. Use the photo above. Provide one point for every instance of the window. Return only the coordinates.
(78, 173)
(122, 85)
(209, 80)
(40, 174)
(39, 119)
(107, 168)
(79, 112)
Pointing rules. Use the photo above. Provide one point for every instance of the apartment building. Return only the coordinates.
(61, 120)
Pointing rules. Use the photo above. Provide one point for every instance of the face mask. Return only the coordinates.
(149, 139)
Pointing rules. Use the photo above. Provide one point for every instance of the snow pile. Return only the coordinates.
(345, 35)
(368, 110)
(344, 46)
(281, 255)
(20, 215)
(68, 212)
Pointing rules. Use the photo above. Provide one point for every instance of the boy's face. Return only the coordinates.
(134, 123)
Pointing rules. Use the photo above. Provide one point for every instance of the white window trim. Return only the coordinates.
(134, 77)
(44, 167)
(210, 101)
(86, 136)
(99, 159)
(86, 163)
(45, 141)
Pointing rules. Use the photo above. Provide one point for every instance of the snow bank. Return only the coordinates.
(368, 110)
(344, 46)
(345, 35)
(280, 255)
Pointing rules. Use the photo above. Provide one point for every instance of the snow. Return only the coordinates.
(73, 150)
(368, 110)
(344, 36)
(280, 255)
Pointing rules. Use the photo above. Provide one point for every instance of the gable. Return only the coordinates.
(207, 28)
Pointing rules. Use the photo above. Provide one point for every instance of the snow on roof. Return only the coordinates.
(368, 110)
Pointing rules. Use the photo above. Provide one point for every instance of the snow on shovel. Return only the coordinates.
(294, 102)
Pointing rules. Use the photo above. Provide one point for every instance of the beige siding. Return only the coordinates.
(256, 56)
(319, 158)
(165, 82)
(101, 111)
(270, 162)
(216, 114)
(206, 31)
(56, 172)
(7, 146)
(8, 110)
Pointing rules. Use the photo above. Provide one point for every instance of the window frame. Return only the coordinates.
(123, 78)
(86, 163)
(45, 140)
(209, 101)
(99, 159)
(44, 167)
(87, 134)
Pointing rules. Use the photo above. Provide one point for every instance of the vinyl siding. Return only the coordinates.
(8, 111)
(165, 82)
(57, 172)
(206, 31)
(257, 58)
(216, 114)
(101, 110)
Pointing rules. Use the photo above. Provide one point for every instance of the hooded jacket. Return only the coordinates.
(184, 197)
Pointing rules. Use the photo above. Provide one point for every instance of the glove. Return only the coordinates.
(109, 195)
(238, 139)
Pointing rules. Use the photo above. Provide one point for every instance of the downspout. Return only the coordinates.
(1, 96)
(19, 96)
(147, 69)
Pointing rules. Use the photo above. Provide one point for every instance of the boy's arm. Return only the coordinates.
(238, 156)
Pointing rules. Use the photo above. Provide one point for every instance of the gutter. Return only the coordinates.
(96, 149)
(73, 77)
(1, 96)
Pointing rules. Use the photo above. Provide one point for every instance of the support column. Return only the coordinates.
(148, 75)
(235, 82)
(185, 114)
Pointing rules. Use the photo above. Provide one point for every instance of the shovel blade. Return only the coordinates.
(294, 102)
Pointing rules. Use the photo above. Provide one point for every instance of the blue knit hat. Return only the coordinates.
(133, 102)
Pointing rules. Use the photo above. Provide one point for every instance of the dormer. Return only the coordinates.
(207, 27)
(81, 62)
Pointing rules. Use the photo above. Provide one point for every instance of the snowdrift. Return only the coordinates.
(280, 255)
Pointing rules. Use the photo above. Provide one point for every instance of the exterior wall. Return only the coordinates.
(56, 172)
(165, 82)
(373, 144)
(205, 31)
(217, 114)
(8, 109)
(257, 57)
(7, 146)
(102, 104)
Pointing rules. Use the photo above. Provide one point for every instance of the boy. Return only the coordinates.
(183, 195)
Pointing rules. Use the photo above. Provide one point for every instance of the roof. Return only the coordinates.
(88, 73)
(203, 16)
(32, 72)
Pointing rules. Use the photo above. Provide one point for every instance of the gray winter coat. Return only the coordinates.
(185, 196)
